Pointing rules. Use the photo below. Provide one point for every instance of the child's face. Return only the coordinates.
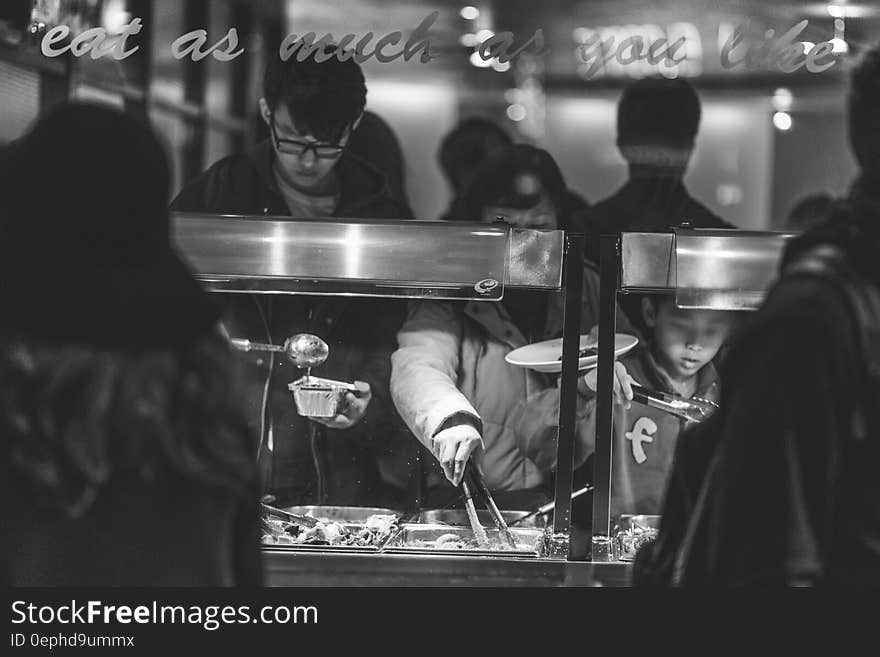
(685, 340)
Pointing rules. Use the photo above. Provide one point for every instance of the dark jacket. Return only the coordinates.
(244, 184)
(792, 495)
(140, 533)
(645, 204)
(141, 476)
(310, 463)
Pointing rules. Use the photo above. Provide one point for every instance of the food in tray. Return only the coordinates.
(457, 542)
(368, 534)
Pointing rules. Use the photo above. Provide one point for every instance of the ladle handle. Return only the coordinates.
(247, 345)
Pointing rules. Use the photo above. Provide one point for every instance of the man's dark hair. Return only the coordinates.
(656, 112)
(468, 145)
(864, 112)
(323, 98)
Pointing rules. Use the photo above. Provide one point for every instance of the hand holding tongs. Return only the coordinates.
(693, 410)
(473, 476)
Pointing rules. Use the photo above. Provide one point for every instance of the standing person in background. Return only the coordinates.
(307, 170)
(375, 142)
(464, 149)
(657, 124)
(126, 456)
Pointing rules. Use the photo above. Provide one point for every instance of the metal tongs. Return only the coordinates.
(473, 477)
(306, 521)
(694, 409)
(547, 508)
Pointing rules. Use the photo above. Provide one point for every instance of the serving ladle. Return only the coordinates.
(303, 349)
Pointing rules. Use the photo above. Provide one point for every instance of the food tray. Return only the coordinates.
(411, 539)
(459, 518)
(308, 547)
(352, 519)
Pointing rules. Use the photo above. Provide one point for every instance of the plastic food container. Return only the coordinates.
(316, 397)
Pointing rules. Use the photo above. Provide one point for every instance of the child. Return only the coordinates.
(676, 357)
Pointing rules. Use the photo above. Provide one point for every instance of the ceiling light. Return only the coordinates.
(782, 121)
(469, 13)
(516, 112)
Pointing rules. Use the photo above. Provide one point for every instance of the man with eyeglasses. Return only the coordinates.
(306, 170)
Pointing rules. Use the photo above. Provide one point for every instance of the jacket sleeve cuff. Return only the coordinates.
(459, 418)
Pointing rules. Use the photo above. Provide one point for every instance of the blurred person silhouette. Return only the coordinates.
(657, 124)
(809, 212)
(375, 142)
(780, 486)
(466, 147)
(126, 459)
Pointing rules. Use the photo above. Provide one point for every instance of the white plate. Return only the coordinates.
(544, 356)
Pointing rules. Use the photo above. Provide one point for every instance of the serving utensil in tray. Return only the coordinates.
(298, 519)
(532, 517)
(416, 538)
(476, 527)
(476, 478)
(343, 514)
(458, 517)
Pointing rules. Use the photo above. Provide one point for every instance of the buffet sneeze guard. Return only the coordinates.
(704, 269)
(410, 259)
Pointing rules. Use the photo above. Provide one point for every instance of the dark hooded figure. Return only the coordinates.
(780, 487)
(126, 457)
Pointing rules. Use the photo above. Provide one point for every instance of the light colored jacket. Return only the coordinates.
(450, 362)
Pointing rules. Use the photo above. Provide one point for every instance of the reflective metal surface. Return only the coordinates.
(357, 257)
(721, 269)
(419, 538)
(728, 270)
(647, 261)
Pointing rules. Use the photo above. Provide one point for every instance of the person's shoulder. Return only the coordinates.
(366, 193)
(215, 186)
(230, 166)
(805, 297)
(801, 315)
(701, 216)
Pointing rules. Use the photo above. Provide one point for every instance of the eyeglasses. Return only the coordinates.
(300, 148)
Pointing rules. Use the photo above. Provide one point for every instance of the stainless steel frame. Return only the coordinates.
(413, 259)
(720, 269)
(357, 257)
